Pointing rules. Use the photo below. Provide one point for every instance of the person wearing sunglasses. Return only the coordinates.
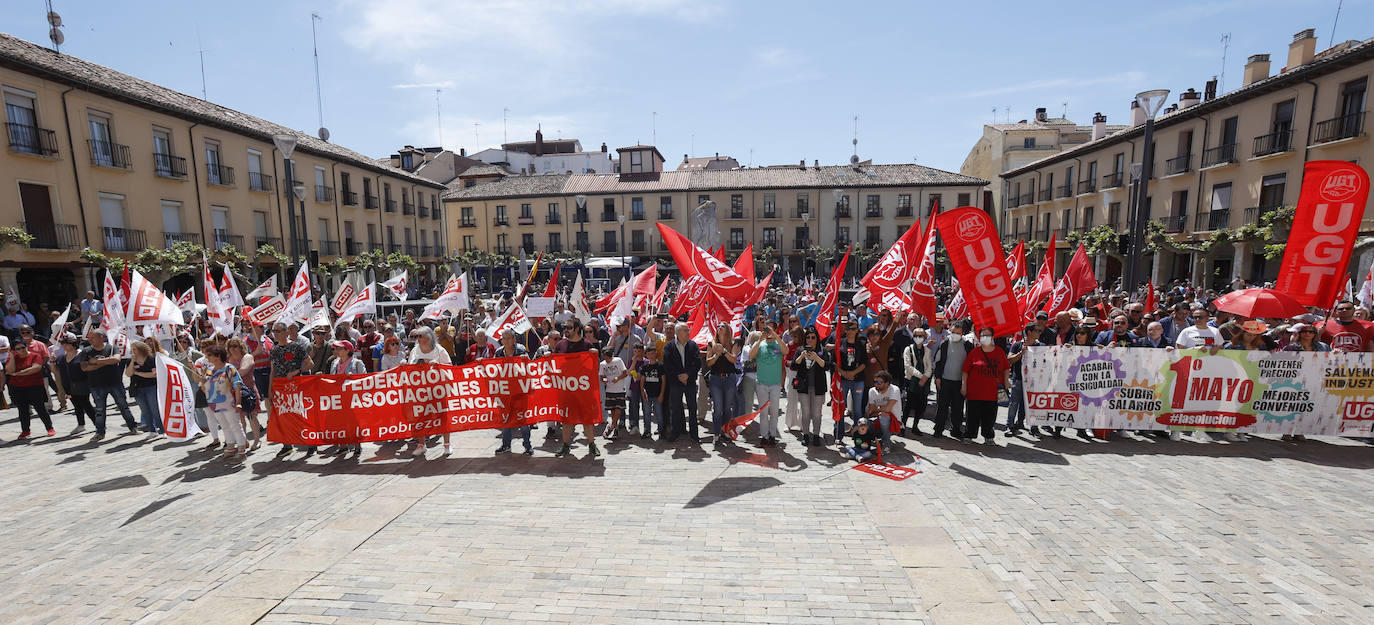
(290, 358)
(811, 362)
(1345, 333)
(1199, 334)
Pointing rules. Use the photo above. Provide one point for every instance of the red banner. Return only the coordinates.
(825, 317)
(923, 286)
(1042, 287)
(424, 400)
(694, 261)
(888, 277)
(1325, 224)
(1077, 281)
(976, 254)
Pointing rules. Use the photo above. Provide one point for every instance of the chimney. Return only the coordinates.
(684, 158)
(1256, 68)
(1303, 48)
(802, 164)
(1040, 114)
(462, 152)
(603, 147)
(817, 163)
(1137, 114)
(1209, 92)
(1189, 98)
(1099, 126)
(538, 142)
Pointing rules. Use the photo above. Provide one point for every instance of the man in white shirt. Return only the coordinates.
(885, 403)
(91, 308)
(1199, 334)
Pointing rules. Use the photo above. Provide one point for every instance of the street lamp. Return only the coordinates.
(286, 144)
(502, 250)
(624, 261)
(582, 230)
(1150, 102)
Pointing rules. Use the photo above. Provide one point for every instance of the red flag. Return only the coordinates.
(126, 282)
(762, 289)
(656, 302)
(736, 425)
(1078, 279)
(1325, 224)
(887, 278)
(690, 296)
(719, 253)
(552, 289)
(976, 254)
(923, 288)
(1016, 262)
(694, 261)
(836, 390)
(1150, 303)
(744, 265)
(1043, 286)
(825, 316)
(957, 308)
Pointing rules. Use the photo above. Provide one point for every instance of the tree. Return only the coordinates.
(764, 257)
(10, 235)
(823, 256)
(183, 257)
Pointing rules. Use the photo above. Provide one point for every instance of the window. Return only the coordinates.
(770, 237)
(260, 223)
(584, 241)
(964, 199)
(407, 232)
(637, 208)
(215, 172)
(165, 164)
(1088, 218)
(555, 241)
(322, 191)
(322, 229)
(934, 202)
(1271, 191)
(770, 205)
(702, 199)
(608, 209)
(102, 140)
(872, 202)
(553, 216)
(348, 236)
(526, 212)
(526, 242)
(665, 207)
(904, 205)
(1114, 214)
(737, 238)
(608, 241)
(1028, 142)
(842, 235)
(24, 133)
(1221, 197)
(636, 162)
(637, 240)
(468, 244)
(803, 237)
(465, 214)
(736, 206)
(171, 221)
(501, 218)
(112, 217)
(219, 225)
(406, 161)
(843, 206)
(803, 203)
(256, 181)
(872, 236)
(1066, 221)
(371, 235)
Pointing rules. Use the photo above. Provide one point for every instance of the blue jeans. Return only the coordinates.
(858, 454)
(723, 394)
(635, 404)
(99, 395)
(146, 396)
(854, 400)
(653, 414)
(508, 433)
(1016, 406)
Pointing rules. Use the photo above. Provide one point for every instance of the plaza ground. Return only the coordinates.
(143, 530)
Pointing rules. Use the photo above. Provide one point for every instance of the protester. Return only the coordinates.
(851, 365)
(512, 349)
(222, 387)
(649, 375)
(1199, 334)
(1345, 333)
(1305, 339)
(948, 375)
(917, 365)
(427, 350)
(721, 360)
(681, 366)
(1016, 400)
(24, 374)
(884, 404)
(616, 379)
(983, 370)
(767, 356)
(142, 374)
(811, 364)
(865, 441)
(68, 367)
(290, 358)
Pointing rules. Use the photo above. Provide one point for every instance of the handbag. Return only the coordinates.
(201, 401)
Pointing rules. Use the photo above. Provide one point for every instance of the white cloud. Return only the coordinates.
(442, 84)
(1060, 84)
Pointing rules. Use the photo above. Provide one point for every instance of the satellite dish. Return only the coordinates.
(54, 19)
(854, 160)
(56, 36)
(323, 133)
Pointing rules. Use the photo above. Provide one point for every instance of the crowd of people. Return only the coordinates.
(893, 371)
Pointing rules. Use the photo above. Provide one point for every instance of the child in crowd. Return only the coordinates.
(616, 378)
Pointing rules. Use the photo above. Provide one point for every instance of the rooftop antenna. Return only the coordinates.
(203, 94)
(1065, 114)
(994, 114)
(854, 158)
(476, 140)
(439, 116)
(1006, 112)
(653, 128)
(1225, 46)
(504, 156)
(1333, 22)
(55, 30)
(319, 96)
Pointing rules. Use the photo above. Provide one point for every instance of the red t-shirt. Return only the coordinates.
(263, 360)
(31, 358)
(1354, 337)
(985, 371)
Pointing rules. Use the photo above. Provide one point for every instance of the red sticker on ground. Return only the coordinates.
(886, 470)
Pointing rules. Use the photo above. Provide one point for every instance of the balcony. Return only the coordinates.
(662, 245)
(221, 175)
(353, 248)
(873, 211)
(553, 247)
(437, 214)
(802, 212)
(842, 212)
(524, 220)
(350, 198)
(412, 250)
(427, 251)
(1045, 194)
(124, 240)
(872, 242)
(1178, 165)
(52, 236)
(172, 238)
(324, 194)
(1174, 223)
(1026, 198)
(503, 249)
(391, 206)
(637, 215)
(1087, 186)
(275, 242)
(904, 210)
(584, 246)
(1344, 127)
(328, 248)
(407, 208)
(106, 154)
(610, 248)
(168, 166)
(1112, 180)
(1064, 190)
(665, 214)
(31, 139)
(637, 245)
(1220, 155)
(467, 222)
(607, 216)
(580, 217)
(737, 213)
(768, 213)
(1214, 220)
(223, 238)
(394, 247)
(258, 181)
(801, 244)
(375, 247)
(553, 218)
(736, 246)
(424, 212)
(1012, 201)
(1273, 143)
(500, 220)
(370, 202)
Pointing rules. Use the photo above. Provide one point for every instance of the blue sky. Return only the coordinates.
(780, 81)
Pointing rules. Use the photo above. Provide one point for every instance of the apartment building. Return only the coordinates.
(1220, 162)
(788, 208)
(1011, 145)
(103, 160)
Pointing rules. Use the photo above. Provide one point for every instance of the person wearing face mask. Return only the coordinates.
(983, 370)
(917, 367)
(1016, 403)
(949, 362)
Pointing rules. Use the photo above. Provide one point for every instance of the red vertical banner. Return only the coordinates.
(976, 253)
(1325, 224)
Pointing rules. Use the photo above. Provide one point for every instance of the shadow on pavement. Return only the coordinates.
(153, 507)
(1313, 451)
(723, 488)
(128, 481)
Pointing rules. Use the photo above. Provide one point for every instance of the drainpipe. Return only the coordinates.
(1202, 175)
(1311, 120)
(338, 216)
(195, 178)
(71, 147)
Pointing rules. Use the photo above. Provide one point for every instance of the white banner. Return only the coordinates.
(268, 311)
(1132, 388)
(539, 307)
(266, 289)
(365, 303)
(397, 286)
(298, 302)
(176, 398)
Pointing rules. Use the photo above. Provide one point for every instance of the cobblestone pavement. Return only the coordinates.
(140, 530)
